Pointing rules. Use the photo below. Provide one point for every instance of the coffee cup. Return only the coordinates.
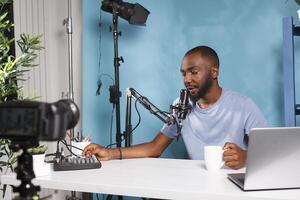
(213, 157)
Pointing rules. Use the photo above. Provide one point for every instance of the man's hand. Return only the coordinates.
(234, 156)
(99, 151)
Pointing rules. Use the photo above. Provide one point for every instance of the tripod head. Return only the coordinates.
(25, 172)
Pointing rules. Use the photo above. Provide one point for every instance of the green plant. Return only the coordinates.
(41, 149)
(12, 69)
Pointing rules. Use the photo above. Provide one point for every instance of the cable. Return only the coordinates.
(99, 82)
(100, 75)
(57, 155)
(138, 123)
(67, 146)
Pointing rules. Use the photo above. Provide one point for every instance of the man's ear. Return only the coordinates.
(214, 72)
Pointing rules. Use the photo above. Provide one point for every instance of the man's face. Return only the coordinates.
(196, 72)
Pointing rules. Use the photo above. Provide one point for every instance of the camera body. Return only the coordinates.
(32, 120)
(25, 123)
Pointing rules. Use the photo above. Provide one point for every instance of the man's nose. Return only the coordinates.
(187, 79)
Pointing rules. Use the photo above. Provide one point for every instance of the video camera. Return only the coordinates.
(25, 123)
(22, 121)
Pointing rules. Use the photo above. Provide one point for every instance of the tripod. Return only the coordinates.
(25, 173)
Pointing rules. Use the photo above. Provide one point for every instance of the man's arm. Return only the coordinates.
(234, 156)
(150, 149)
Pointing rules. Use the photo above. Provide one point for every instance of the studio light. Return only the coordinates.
(137, 15)
(133, 13)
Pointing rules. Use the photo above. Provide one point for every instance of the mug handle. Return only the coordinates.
(223, 162)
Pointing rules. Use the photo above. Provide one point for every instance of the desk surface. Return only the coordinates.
(155, 178)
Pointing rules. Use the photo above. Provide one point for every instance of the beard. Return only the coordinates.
(202, 91)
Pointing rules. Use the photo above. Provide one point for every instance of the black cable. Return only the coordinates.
(67, 146)
(139, 115)
(58, 155)
(99, 82)
(138, 123)
(57, 150)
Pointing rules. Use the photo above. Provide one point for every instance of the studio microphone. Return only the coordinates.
(183, 104)
(182, 107)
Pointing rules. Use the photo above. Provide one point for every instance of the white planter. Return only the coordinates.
(40, 168)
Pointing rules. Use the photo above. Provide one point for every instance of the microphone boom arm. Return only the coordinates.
(163, 116)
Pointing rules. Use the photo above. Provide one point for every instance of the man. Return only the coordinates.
(217, 117)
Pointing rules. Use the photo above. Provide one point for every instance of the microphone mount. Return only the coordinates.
(162, 115)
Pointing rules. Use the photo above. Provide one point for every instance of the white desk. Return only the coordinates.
(155, 178)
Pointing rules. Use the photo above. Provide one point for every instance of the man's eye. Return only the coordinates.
(194, 72)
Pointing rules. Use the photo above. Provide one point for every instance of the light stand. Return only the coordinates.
(114, 90)
(134, 14)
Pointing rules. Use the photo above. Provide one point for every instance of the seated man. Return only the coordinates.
(218, 116)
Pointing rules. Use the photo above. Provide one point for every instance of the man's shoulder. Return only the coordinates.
(235, 95)
(238, 99)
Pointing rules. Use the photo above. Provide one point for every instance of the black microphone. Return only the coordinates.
(183, 104)
(182, 107)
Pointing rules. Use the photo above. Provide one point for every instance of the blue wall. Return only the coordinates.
(246, 34)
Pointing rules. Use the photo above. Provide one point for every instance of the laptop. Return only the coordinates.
(273, 160)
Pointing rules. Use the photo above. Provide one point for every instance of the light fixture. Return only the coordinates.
(133, 13)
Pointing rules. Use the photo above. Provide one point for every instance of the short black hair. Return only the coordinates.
(205, 52)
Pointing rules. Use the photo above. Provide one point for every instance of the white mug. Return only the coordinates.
(213, 156)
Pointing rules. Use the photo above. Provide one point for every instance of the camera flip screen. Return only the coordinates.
(19, 122)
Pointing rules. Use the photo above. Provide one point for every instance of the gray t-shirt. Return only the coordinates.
(228, 120)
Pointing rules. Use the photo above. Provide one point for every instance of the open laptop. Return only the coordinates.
(273, 160)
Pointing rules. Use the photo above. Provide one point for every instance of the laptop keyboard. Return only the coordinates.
(238, 178)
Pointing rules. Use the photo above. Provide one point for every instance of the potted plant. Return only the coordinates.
(40, 168)
(12, 69)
